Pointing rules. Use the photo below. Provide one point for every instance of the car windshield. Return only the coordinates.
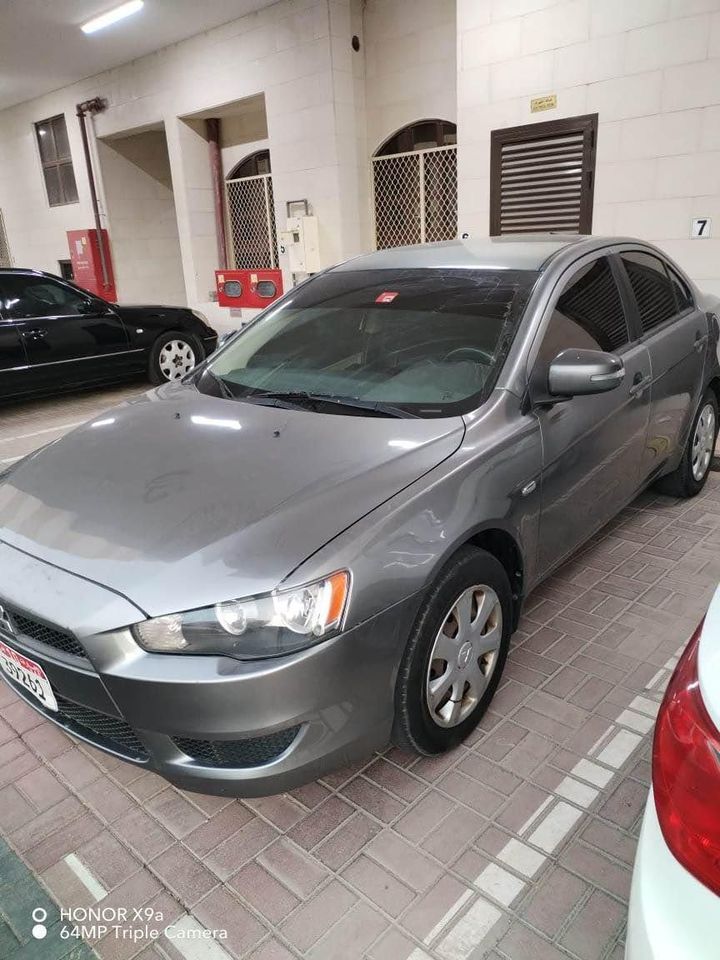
(425, 342)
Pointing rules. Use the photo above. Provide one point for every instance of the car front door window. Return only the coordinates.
(35, 297)
(591, 444)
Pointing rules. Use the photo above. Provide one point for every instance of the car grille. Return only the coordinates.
(111, 732)
(48, 636)
(100, 729)
(251, 752)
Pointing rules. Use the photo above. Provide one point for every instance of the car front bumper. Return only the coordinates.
(205, 723)
(671, 915)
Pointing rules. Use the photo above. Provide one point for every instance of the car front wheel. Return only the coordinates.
(455, 654)
(173, 355)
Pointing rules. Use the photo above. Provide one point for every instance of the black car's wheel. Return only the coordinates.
(173, 355)
(688, 478)
(455, 654)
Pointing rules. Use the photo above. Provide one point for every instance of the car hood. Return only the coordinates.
(177, 499)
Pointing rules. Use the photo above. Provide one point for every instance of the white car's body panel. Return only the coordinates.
(672, 915)
(709, 660)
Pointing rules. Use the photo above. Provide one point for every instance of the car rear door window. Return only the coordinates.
(652, 288)
(588, 315)
(683, 297)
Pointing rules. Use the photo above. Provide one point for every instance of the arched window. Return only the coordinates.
(415, 185)
(251, 213)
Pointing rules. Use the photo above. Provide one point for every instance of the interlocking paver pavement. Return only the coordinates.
(518, 845)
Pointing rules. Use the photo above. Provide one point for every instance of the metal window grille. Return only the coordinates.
(5, 258)
(415, 197)
(251, 216)
(542, 177)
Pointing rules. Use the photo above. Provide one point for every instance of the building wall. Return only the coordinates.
(410, 64)
(141, 208)
(287, 51)
(649, 68)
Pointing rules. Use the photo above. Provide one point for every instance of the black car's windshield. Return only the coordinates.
(428, 342)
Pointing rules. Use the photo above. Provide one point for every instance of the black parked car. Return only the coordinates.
(55, 336)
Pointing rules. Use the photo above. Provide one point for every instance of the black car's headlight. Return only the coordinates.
(267, 626)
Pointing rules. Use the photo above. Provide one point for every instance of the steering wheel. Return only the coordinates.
(469, 353)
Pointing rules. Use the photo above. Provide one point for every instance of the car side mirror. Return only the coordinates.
(581, 372)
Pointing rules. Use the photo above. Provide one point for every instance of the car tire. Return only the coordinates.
(473, 585)
(688, 478)
(173, 355)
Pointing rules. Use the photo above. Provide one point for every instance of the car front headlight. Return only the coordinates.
(271, 625)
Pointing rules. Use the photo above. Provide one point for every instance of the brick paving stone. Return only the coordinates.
(313, 919)
(143, 834)
(395, 780)
(554, 900)
(379, 885)
(271, 949)
(108, 860)
(297, 870)
(259, 888)
(62, 841)
(323, 820)
(227, 858)
(183, 874)
(342, 845)
(428, 910)
(372, 798)
(15, 810)
(220, 910)
(351, 935)
(594, 927)
(106, 799)
(223, 825)
(175, 813)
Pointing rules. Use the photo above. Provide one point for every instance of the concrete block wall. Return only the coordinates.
(141, 208)
(410, 64)
(649, 68)
(283, 51)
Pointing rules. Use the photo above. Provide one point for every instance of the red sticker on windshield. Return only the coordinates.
(386, 297)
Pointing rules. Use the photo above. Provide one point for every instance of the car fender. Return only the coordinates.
(491, 482)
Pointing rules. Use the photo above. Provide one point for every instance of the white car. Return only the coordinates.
(675, 899)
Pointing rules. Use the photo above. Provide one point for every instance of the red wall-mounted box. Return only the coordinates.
(86, 264)
(248, 288)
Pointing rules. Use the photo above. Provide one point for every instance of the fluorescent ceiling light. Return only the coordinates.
(112, 16)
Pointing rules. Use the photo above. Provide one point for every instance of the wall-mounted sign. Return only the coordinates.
(701, 228)
(543, 103)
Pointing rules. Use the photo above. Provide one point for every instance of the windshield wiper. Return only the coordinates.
(303, 397)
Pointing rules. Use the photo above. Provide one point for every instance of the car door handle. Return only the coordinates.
(639, 384)
(700, 342)
(35, 332)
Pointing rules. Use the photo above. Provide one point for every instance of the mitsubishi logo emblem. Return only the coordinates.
(6, 622)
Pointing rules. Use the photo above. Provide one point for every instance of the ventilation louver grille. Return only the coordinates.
(542, 177)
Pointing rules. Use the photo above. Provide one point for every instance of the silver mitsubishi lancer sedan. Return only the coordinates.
(319, 540)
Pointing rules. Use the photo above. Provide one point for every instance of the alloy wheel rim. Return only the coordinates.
(703, 443)
(176, 359)
(464, 656)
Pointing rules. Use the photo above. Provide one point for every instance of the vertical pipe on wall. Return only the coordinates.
(212, 129)
(96, 105)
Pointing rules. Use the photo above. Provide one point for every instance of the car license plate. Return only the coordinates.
(28, 674)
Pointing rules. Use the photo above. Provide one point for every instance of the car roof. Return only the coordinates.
(514, 252)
